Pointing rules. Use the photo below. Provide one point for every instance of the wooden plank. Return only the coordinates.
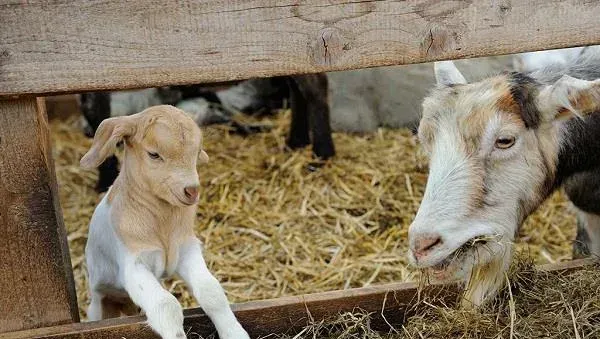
(388, 304)
(568, 266)
(36, 281)
(70, 46)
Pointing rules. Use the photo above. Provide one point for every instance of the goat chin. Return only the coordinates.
(485, 281)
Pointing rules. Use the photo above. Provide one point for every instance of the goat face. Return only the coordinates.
(493, 148)
(162, 149)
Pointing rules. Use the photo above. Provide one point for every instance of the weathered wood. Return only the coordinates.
(70, 46)
(36, 281)
(568, 266)
(388, 304)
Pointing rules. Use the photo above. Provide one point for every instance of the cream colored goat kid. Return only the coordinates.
(142, 230)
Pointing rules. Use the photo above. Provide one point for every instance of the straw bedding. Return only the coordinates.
(536, 305)
(276, 223)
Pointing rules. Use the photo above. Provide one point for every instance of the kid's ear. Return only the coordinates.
(109, 134)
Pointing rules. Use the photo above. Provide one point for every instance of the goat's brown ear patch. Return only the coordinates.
(523, 91)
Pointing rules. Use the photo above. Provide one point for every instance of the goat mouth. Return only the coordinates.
(185, 202)
(459, 255)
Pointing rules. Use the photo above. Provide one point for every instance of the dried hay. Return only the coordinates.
(273, 223)
(536, 305)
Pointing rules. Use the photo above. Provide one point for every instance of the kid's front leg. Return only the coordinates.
(162, 309)
(208, 291)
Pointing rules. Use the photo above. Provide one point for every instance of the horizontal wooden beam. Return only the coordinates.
(72, 46)
(388, 304)
(285, 315)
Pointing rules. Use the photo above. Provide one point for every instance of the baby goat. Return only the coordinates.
(143, 229)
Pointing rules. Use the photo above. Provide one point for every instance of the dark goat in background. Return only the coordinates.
(307, 94)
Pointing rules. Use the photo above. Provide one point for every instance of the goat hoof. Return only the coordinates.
(314, 166)
(296, 143)
(324, 152)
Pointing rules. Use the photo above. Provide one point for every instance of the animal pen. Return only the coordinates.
(58, 47)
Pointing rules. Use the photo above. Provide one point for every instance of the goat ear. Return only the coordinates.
(203, 157)
(107, 136)
(569, 97)
(447, 74)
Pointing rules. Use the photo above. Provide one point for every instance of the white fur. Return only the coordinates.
(528, 62)
(459, 168)
(142, 230)
(556, 96)
(446, 73)
(445, 204)
(124, 103)
(198, 108)
(115, 272)
(591, 224)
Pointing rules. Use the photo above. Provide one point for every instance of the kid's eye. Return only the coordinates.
(154, 155)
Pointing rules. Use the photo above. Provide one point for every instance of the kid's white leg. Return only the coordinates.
(94, 311)
(162, 309)
(208, 291)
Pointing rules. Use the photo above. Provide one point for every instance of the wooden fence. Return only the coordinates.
(61, 46)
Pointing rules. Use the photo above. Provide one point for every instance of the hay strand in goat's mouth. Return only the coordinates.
(274, 224)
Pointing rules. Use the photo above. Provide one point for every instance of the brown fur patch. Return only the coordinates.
(507, 103)
(584, 102)
(472, 127)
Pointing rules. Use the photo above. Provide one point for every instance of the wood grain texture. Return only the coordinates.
(63, 46)
(36, 281)
(388, 304)
(568, 266)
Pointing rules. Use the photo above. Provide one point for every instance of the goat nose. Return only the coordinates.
(425, 243)
(191, 192)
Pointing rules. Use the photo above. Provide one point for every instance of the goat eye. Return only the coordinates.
(505, 142)
(153, 155)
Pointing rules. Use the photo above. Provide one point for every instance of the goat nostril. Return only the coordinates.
(191, 192)
(433, 244)
(426, 243)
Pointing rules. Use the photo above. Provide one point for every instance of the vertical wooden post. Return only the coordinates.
(36, 280)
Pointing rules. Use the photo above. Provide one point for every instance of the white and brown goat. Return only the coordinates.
(143, 229)
(498, 148)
